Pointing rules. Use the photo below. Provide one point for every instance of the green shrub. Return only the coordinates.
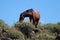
(24, 24)
(58, 23)
(40, 26)
(9, 32)
(49, 27)
(43, 36)
(14, 34)
(26, 28)
(57, 28)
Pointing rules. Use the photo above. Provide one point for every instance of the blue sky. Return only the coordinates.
(11, 9)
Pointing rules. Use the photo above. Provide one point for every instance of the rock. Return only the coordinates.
(5, 39)
(36, 30)
(58, 36)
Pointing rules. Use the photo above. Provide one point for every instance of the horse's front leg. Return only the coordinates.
(31, 20)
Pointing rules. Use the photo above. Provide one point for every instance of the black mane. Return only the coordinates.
(29, 10)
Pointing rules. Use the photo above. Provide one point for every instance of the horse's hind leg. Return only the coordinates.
(36, 23)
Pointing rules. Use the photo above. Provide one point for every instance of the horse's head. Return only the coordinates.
(21, 18)
(25, 14)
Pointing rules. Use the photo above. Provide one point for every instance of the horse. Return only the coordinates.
(33, 15)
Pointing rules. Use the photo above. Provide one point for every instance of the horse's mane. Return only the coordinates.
(29, 10)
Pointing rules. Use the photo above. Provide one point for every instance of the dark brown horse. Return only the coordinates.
(33, 15)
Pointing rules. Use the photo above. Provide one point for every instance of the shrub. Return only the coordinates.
(57, 28)
(9, 32)
(24, 24)
(14, 34)
(49, 27)
(43, 36)
(26, 28)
